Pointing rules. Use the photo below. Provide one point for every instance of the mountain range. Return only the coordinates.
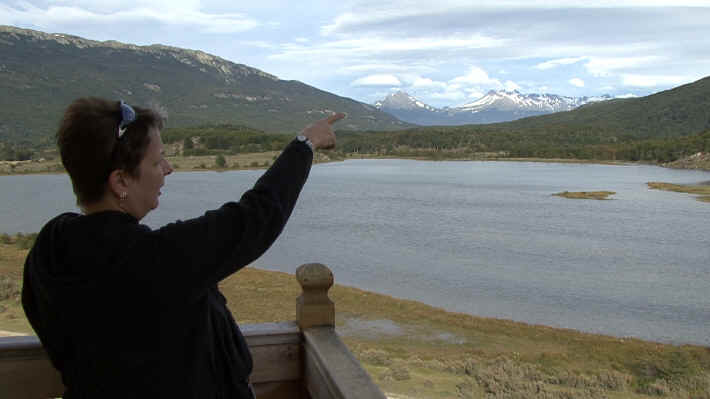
(495, 106)
(41, 73)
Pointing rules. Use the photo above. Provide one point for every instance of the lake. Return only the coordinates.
(484, 238)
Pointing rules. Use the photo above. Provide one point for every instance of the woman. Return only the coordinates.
(129, 312)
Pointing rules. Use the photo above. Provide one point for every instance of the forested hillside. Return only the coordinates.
(41, 73)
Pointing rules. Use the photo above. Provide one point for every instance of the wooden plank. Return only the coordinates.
(331, 370)
(21, 347)
(281, 327)
(280, 390)
(29, 379)
(25, 370)
(276, 363)
(272, 333)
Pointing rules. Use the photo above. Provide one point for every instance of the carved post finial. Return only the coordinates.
(313, 307)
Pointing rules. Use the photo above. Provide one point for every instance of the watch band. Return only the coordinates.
(306, 140)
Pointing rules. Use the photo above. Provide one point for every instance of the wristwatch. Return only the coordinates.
(306, 140)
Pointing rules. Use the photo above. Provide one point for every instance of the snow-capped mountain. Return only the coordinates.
(403, 101)
(516, 101)
(495, 106)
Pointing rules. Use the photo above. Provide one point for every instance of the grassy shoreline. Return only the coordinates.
(251, 161)
(419, 351)
(703, 191)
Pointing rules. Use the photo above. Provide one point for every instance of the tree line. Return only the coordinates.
(502, 140)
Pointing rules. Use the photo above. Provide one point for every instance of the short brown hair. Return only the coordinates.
(90, 148)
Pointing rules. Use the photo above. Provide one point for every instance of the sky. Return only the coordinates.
(444, 52)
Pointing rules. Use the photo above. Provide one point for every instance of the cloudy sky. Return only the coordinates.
(444, 52)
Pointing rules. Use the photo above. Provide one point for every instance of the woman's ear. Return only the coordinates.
(117, 183)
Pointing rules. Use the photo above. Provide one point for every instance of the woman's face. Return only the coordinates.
(144, 191)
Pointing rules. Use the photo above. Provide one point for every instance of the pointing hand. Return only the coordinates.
(321, 132)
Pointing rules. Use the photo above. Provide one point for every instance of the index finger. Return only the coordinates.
(335, 117)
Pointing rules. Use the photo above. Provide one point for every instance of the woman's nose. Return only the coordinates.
(167, 168)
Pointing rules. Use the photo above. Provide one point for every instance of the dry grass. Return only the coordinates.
(233, 162)
(703, 190)
(595, 195)
(258, 160)
(31, 167)
(418, 351)
(431, 353)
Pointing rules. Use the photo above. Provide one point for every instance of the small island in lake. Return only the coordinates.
(596, 195)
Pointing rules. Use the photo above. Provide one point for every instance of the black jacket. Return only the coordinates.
(128, 312)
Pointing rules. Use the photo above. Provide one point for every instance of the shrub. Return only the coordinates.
(400, 373)
(254, 164)
(187, 144)
(9, 288)
(25, 241)
(220, 162)
(5, 238)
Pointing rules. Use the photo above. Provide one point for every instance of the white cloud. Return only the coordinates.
(374, 47)
(604, 66)
(377, 80)
(653, 80)
(510, 85)
(420, 82)
(627, 95)
(558, 62)
(187, 17)
(474, 94)
(449, 96)
(369, 13)
(382, 67)
(476, 76)
(576, 82)
(257, 43)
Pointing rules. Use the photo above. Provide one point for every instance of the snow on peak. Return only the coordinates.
(402, 101)
(495, 106)
(504, 100)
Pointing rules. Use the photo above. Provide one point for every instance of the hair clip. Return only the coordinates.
(128, 116)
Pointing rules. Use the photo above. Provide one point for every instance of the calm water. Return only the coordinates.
(484, 238)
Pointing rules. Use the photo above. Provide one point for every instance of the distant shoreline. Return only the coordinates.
(258, 161)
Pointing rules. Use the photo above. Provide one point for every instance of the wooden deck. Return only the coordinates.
(302, 359)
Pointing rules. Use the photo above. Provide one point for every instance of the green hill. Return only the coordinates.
(681, 111)
(662, 127)
(41, 73)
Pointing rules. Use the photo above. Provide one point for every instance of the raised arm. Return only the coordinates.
(196, 254)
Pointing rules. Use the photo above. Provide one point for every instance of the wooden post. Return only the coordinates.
(313, 307)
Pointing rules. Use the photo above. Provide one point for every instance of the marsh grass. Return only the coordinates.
(702, 190)
(595, 195)
(414, 350)
(257, 160)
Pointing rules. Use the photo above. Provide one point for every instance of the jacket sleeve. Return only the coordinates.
(198, 253)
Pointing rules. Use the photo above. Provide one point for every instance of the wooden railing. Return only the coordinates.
(304, 359)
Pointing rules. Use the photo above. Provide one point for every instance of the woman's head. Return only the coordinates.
(95, 156)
